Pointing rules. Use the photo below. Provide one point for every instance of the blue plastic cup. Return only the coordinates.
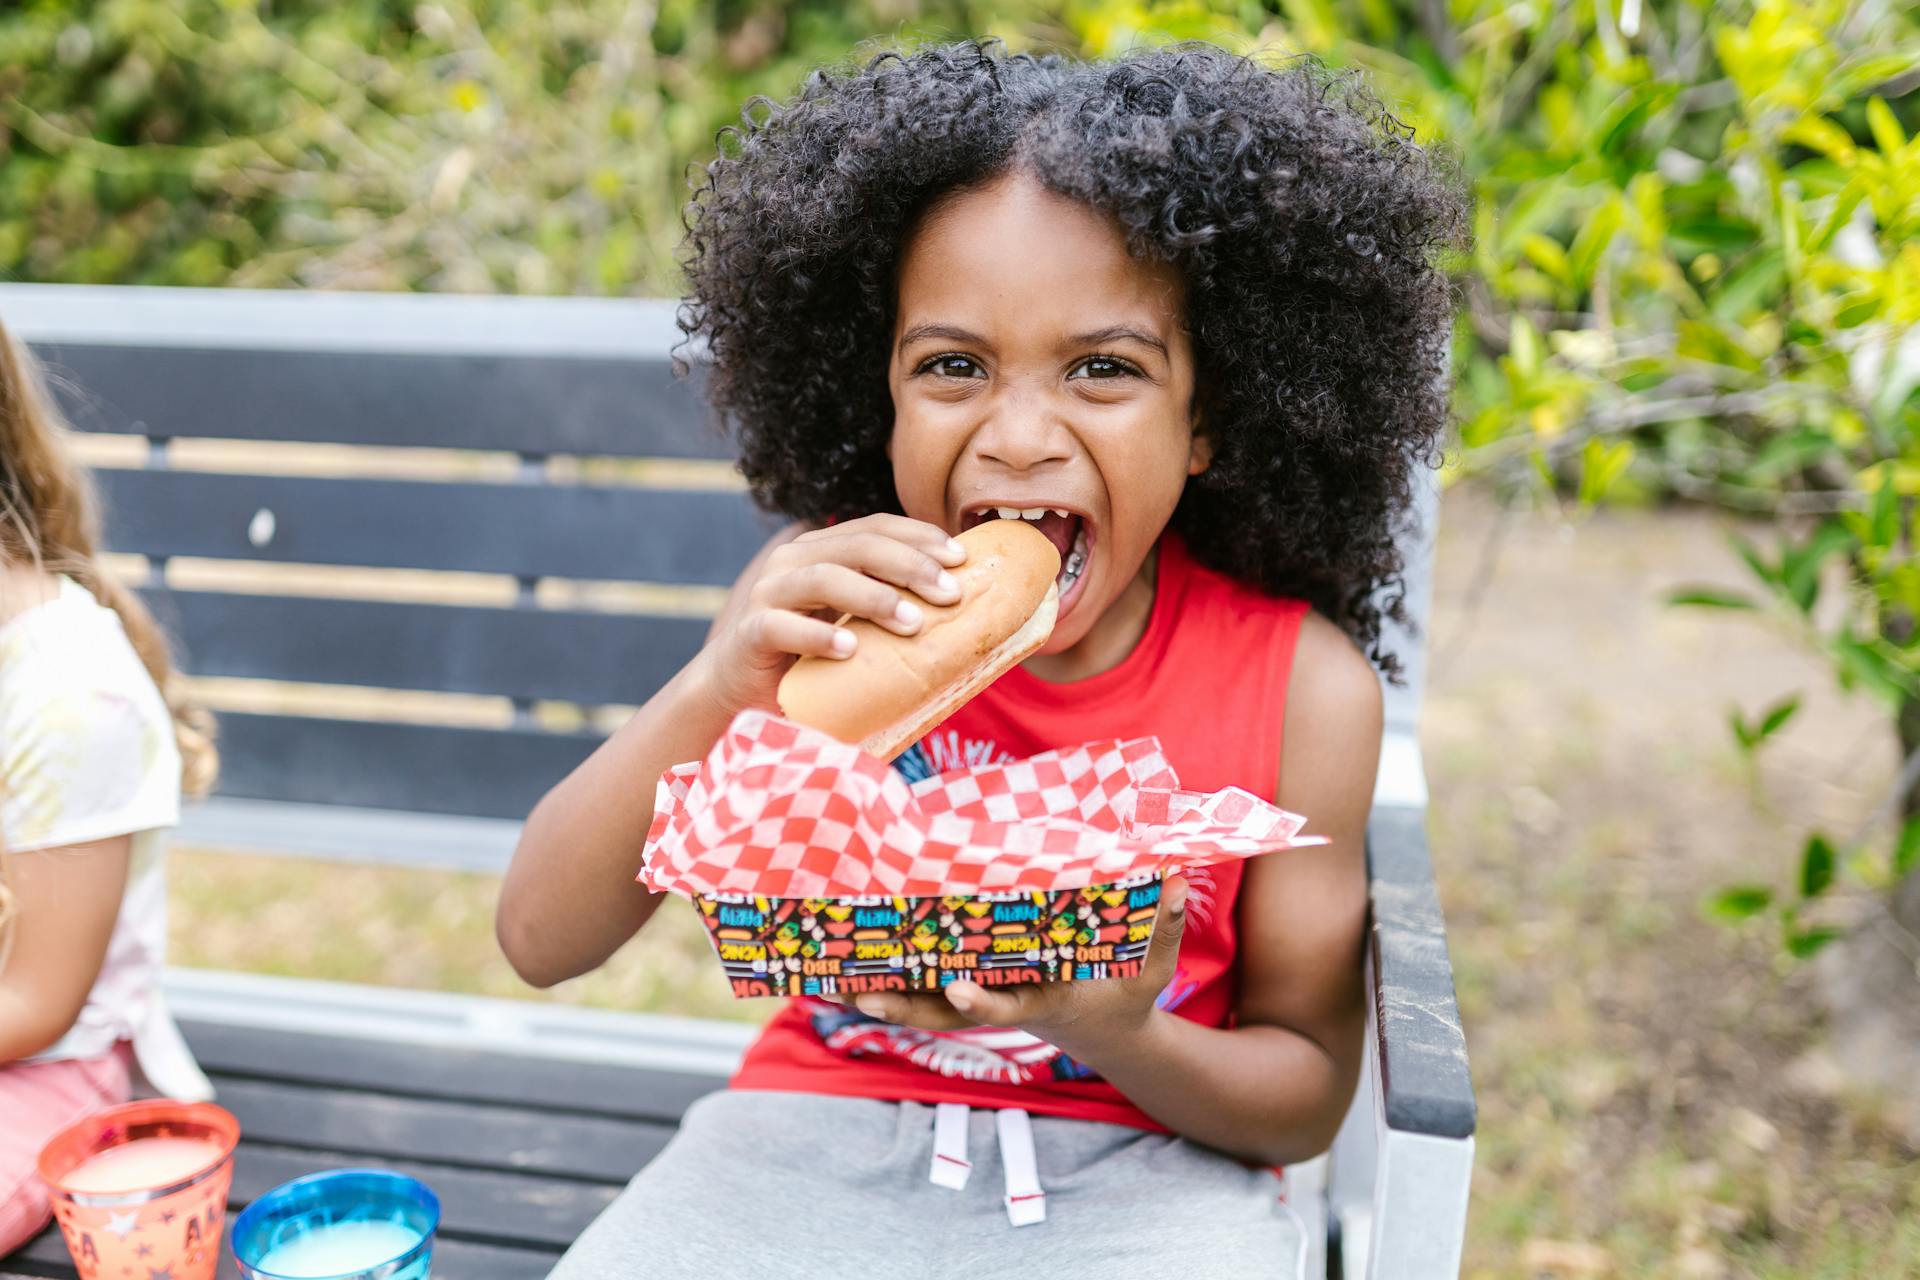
(351, 1224)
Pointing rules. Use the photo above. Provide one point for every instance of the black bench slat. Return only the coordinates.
(481, 773)
(523, 653)
(529, 530)
(453, 1259)
(493, 1207)
(597, 1148)
(378, 1066)
(513, 403)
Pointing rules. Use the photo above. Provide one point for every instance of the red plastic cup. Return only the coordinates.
(141, 1188)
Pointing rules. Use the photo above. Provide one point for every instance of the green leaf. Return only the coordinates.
(1884, 127)
(1837, 217)
(1545, 252)
(1804, 944)
(1863, 664)
(1710, 598)
(1595, 234)
(1742, 735)
(1816, 866)
(1818, 133)
(1869, 72)
(1778, 714)
(1800, 566)
(1788, 453)
(1534, 208)
(1750, 286)
(1600, 465)
(1629, 112)
(1906, 849)
(1750, 736)
(1740, 902)
(1713, 233)
(1523, 347)
(1855, 314)
(1885, 525)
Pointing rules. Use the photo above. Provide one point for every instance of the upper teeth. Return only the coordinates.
(1029, 513)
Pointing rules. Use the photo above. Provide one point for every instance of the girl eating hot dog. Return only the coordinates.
(1181, 311)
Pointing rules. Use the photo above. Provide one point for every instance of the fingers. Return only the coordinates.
(783, 631)
(928, 538)
(1168, 924)
(1000, 1007)
(928, 1012)
(839, 589)
(910, 555)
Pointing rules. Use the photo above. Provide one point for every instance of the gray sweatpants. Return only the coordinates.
(801, 1185)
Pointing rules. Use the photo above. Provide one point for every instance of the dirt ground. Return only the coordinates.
(1655, 1096)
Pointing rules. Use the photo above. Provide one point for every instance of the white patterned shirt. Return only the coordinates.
(87, 753)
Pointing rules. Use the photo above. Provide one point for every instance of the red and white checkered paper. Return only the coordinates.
(784, 811)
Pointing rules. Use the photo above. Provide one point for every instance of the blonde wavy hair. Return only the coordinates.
(50, 521)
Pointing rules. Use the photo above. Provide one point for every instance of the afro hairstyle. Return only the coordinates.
(1308, 226)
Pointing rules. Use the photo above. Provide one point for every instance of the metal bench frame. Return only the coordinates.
(171, 363)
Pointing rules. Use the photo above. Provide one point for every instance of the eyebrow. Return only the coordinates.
(1096, 337)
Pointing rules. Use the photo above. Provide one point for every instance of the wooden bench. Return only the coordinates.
(562, 452)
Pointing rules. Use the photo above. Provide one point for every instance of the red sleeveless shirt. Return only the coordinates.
(1209, 679)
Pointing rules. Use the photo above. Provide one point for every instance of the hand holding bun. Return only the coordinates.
(894, 688)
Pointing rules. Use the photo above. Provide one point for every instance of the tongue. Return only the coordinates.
(1059, 531)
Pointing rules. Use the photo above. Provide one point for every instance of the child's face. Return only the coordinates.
(1036, 364)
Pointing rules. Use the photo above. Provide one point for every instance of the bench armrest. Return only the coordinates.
(1424, 1083)
(1400, 1168)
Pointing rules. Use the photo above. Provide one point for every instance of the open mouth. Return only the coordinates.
(1065, 529)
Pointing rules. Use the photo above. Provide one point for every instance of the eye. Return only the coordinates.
(953, 366)
(1104, 367)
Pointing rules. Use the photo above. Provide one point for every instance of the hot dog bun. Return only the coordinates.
(894, 688)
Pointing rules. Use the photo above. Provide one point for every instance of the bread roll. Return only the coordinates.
(894, 688)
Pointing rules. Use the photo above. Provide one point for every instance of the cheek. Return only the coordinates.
(1146, 465)
(923, 457)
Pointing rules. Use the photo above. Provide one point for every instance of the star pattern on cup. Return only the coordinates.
(122, 1224)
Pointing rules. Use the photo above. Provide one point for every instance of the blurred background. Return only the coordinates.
(1673, 727)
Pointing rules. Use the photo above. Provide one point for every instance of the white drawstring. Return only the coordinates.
(1026, 1202)
(950, 1167)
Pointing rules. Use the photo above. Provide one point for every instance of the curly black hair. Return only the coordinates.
(1306, 221)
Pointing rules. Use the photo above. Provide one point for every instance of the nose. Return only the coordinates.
(1023, 433)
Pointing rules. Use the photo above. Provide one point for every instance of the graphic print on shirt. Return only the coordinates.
(946, 749)
(1002, 1055)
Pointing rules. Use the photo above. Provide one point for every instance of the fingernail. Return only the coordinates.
(843, 641)
(956, 549)
(948, 583)
(869, 1006)
(1177, 900)
(907, 614)
(960, 996)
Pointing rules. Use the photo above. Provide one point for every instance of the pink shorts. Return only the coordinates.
(37, 1100)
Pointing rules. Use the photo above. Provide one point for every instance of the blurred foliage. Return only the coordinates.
(1696, 270)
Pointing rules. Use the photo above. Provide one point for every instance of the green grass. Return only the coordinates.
(412, 928)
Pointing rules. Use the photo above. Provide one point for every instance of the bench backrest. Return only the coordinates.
(546, 421)
(560, 456)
